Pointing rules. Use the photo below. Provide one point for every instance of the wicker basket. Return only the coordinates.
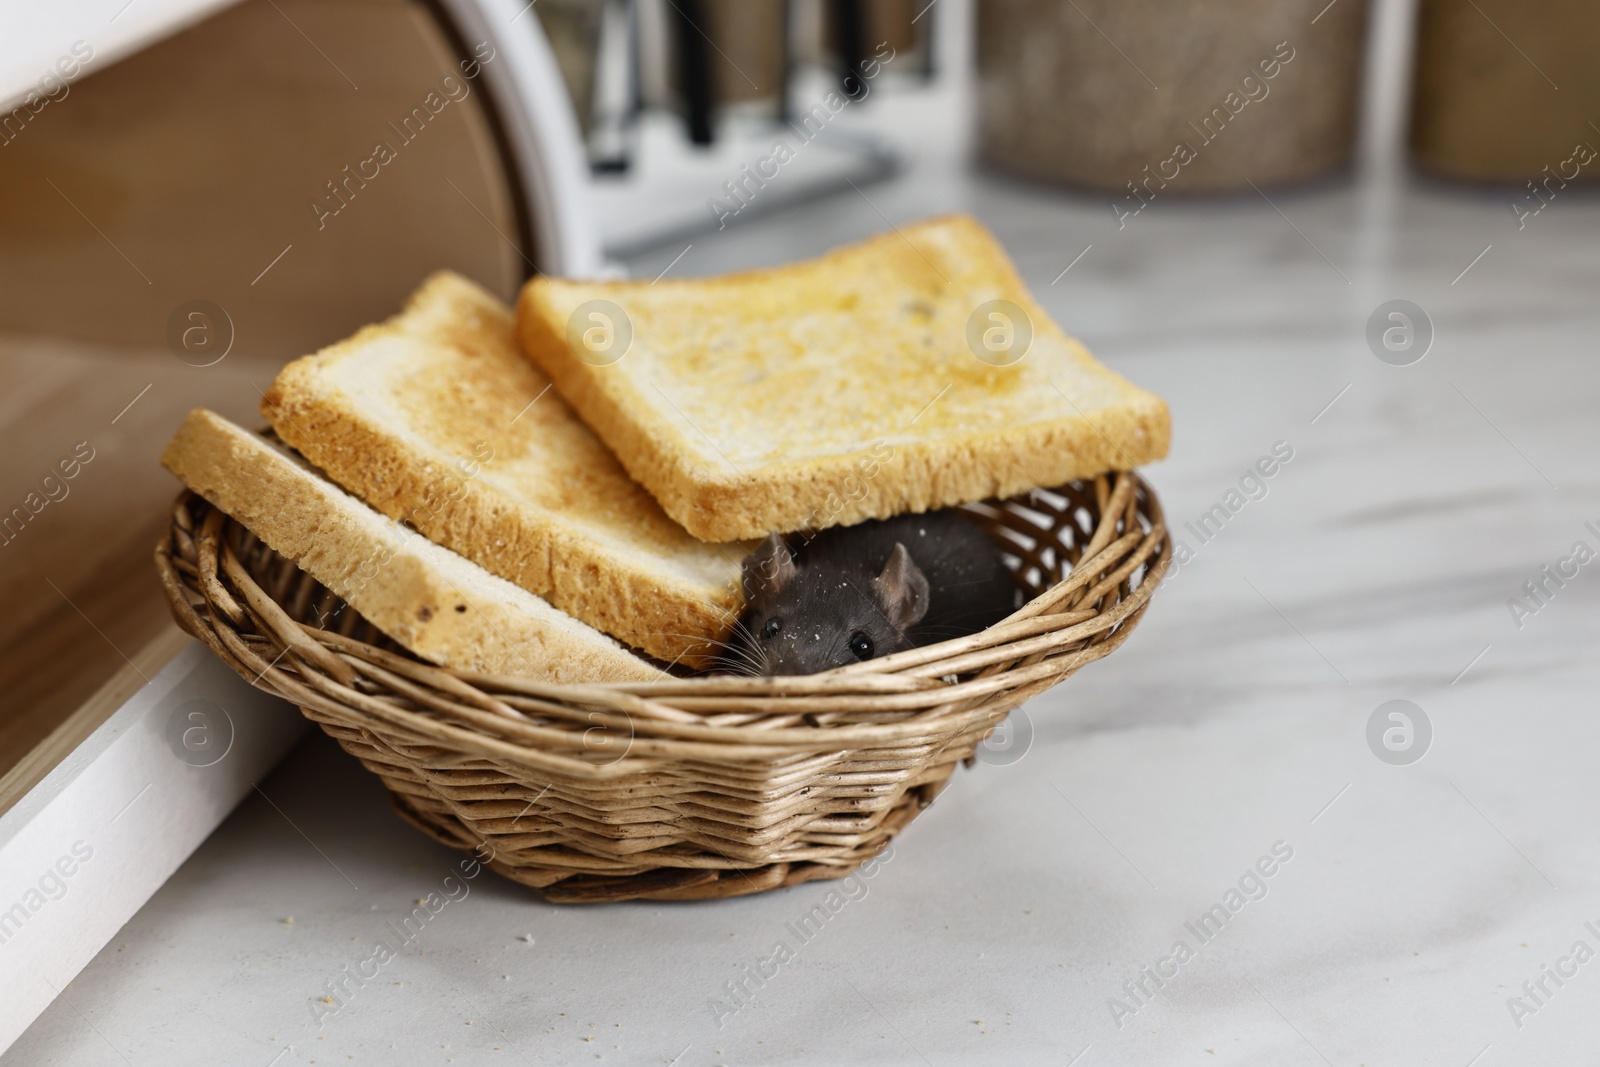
(686, 788)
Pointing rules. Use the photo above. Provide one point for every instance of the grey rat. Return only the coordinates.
(865, 591)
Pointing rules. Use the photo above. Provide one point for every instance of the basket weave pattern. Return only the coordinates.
(686, 788)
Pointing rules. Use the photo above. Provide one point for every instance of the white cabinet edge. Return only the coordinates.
(87, 846)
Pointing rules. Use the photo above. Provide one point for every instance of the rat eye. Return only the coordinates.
(861, 645)
(772, 627)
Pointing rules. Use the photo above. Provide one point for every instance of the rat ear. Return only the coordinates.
(768, 569)
(902, 589)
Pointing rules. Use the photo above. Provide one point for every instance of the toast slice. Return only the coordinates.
(444, 608)
(873, 381)
(435, 418)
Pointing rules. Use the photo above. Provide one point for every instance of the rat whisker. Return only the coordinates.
(692, 637)
(741, 662)
(745, 654)
(744, 670)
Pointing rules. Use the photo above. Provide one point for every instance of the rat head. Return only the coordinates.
(801, 619)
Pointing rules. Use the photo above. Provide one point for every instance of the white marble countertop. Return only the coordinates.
(1417, 898)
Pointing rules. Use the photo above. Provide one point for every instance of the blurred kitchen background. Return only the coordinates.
(209, 144)
(211, 137)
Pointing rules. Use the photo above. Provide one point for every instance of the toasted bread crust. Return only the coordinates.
(441, 606)
(744, 402)
(434, 418)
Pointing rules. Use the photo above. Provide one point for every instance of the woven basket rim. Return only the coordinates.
(899, 699)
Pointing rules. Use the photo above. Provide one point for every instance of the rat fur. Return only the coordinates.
(867, 591)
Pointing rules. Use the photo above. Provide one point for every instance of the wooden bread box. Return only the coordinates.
(183, 219)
